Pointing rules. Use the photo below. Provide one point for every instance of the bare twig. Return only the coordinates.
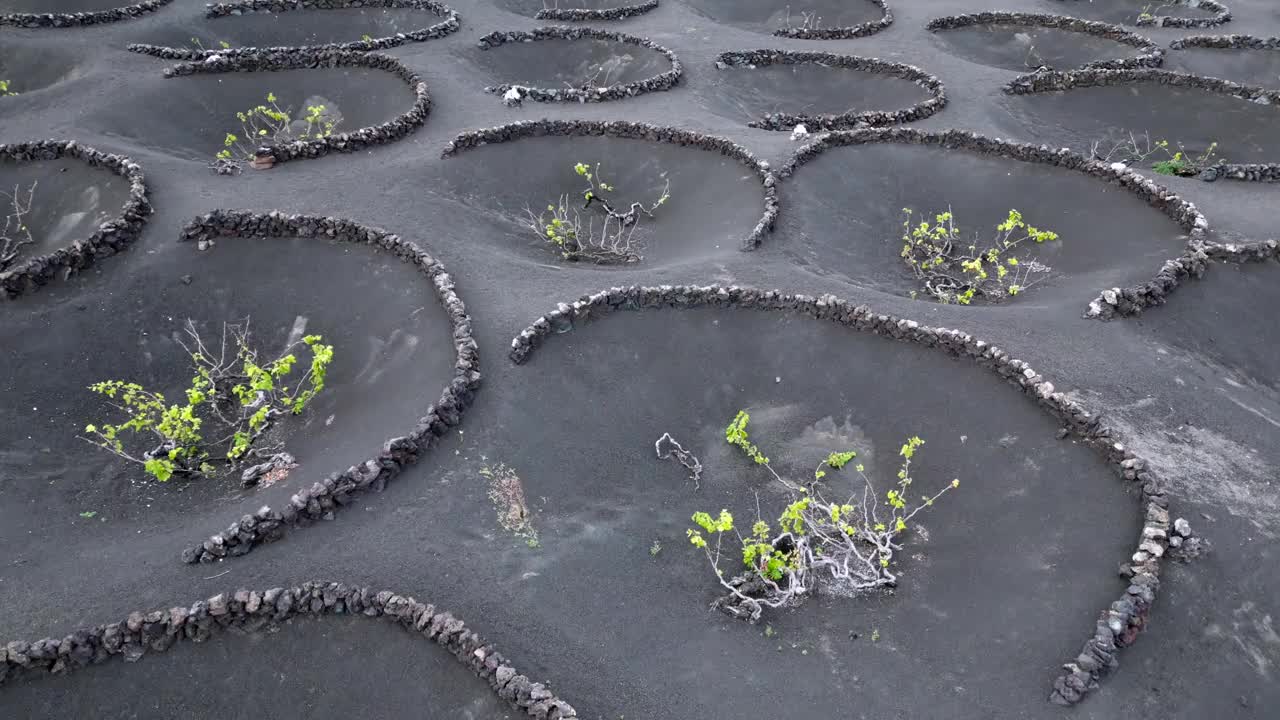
(808, 20)
(578, 238)
(506, 492)
(16, 234)
(608, 69)
(682, 456)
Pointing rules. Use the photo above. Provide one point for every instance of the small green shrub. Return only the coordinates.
(5, 90)
(231, 402)
(1138, 150)
(575, 237)
(848, 545)
(1183, 163)
(269, 124)
(953, 271)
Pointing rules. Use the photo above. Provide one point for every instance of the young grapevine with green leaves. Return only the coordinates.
(232, 400)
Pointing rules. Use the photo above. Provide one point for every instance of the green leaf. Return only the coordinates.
(162, 470)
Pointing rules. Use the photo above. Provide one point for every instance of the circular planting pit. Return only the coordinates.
(319, 24)
(815, 20)
(1106, 113)
(579, 10)
(26, 68)
(1241, 58)
(370, 99)
(717, 189)
(72, 13)
(1239, 293)
(63, 206)
(1160, 13)
(557, 64)
(615, 514)
(1108, 235)
(399, 334)
(777, 90)
(258, 638)
(1029, 42)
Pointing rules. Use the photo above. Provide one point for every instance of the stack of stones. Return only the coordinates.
(634, 131)
(96, 17)
(788, 121)
(1250, 172)
(1112, 302)
(111, 236)
(252, 610)
(1252, 252)
(1101, 77)
(306, 58)
(583, 14)
(1224, 42)
(1118, 626)
(1184, 545)
(323, 498)
(661, 81)
(1125, 618)
(842, 33)
(447, 26)
(1152, 55)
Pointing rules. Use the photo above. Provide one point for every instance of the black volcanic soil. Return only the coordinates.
(68, 198)
(745, 93)
(559, 63)
(715, 201)
(202, 108)
(1076, 118)
(304, 668)
(1251, 67)
(766, 16)
(1121, 12)
(60, 6)
(1027, 47)
(30, 66)
(531, 7)
(1018, 563)
(193, 31)
(392, 357)
(1107, 236)
(810, 386)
